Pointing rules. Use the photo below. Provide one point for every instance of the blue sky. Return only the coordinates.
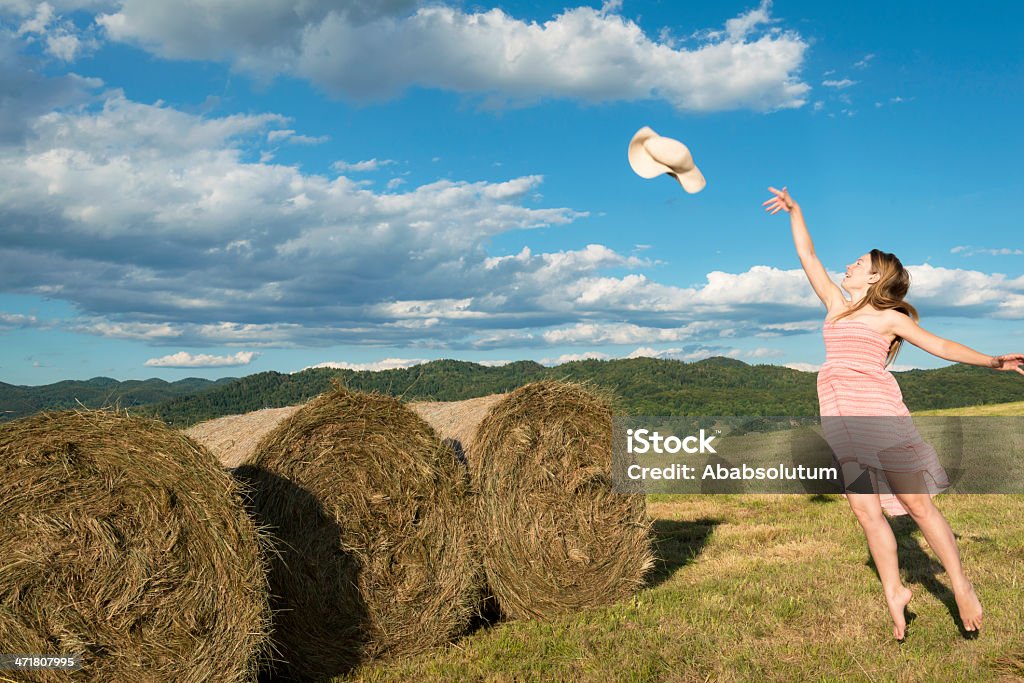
(221, 188)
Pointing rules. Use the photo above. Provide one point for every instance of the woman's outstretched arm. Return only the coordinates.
(824, 287)
(948, 349)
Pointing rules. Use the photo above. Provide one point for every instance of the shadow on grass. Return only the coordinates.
(676, 544)
(918, 567)
(822, 498)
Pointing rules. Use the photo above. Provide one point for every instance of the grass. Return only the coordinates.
(771, 588)
(1004, 409)
(777, 588)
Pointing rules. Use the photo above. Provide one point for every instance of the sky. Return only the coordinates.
(214, 188)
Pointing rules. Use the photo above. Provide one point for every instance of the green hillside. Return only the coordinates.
(645, 386)
(19, 401)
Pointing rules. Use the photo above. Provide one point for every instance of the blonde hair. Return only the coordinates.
(888, 292)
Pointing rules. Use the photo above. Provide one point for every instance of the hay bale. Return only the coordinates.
(124, 543)
(233, 439)
(555, 537)
(376, 553)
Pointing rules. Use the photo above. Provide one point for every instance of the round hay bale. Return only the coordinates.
(376, 557)
(123, 542)
(555, 537)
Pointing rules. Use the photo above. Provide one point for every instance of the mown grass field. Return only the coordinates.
(776, 588)
(1005, 409)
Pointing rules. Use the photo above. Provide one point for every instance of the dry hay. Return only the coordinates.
(372, 514)
(124, 543)
(555, 537)
(233, 439)
(456, 421)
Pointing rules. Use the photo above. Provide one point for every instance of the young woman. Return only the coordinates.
(862, 335)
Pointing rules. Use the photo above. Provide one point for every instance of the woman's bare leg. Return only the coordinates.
(882, 544)
(940, 537)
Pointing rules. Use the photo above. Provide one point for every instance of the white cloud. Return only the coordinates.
(372, 51)
(361, 166)
(26, 92)
(968, 250)
(17, 320)
(900, 367)
(569, 357)
(288, 135)
(688, 354)
(61, 38)
(864, 61)
(183, 359)
(627, 333)
(839, 84)
(740, 27)
(763, 352)
(155, 225)
(803, 367)
(373, 366)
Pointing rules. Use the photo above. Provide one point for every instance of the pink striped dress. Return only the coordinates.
(853, 383)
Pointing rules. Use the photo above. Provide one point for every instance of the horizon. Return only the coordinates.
(406, 367)
(246, 189)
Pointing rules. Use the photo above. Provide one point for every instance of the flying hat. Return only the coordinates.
(651, 155)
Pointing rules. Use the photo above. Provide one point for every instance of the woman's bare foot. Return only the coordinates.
(897, 602)
(970, 607)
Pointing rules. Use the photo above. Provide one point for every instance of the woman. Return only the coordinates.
(862, 336)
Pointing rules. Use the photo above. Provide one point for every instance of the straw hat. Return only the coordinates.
(651, 155)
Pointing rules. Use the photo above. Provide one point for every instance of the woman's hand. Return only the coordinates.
(780, 202)
(1011, 361)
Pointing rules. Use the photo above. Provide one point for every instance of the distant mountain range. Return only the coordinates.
(19, 401)
(644, 386)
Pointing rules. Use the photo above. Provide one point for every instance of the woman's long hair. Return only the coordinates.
(888, 292)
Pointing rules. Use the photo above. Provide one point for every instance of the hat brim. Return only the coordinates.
(640, 160)
(692, 181)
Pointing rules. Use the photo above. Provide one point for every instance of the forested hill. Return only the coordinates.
(645, 386)
(18, 401)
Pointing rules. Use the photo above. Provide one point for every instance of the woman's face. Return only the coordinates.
(858, 273)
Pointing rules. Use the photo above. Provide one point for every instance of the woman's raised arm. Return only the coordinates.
(827, 290)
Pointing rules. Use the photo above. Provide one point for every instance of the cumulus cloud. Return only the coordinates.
(183, 359)
(968, 250)
(157, 226)
(375, 50)
(60, 38)
(838, 84)
(864, 61)
(569, 357)
(494, 363)
(361, 166)
(374, 366)
(9, 321)
(26, 92)
(686, 354)
(290, 136)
